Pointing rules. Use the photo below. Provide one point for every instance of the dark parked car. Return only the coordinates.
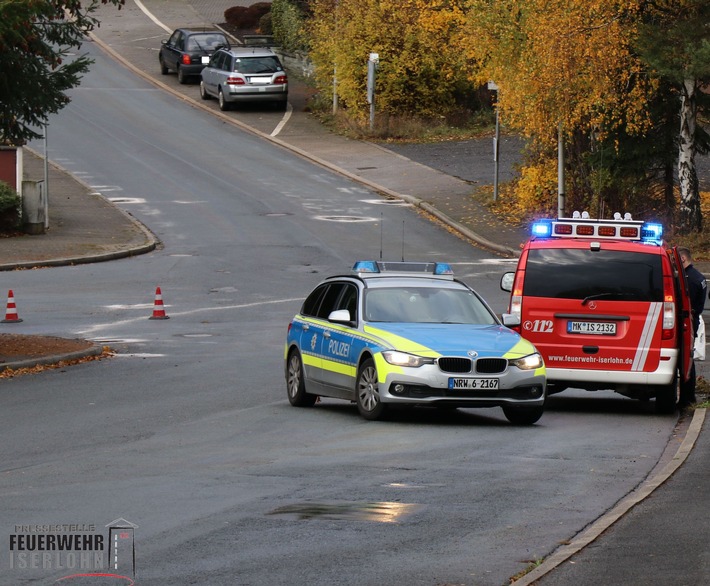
(187, 51)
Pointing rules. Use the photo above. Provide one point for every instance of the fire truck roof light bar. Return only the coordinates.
(582, 226)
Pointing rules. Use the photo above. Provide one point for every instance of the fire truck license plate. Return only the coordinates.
(591, 327)
(469, 384)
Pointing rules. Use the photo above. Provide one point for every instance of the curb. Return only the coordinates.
(93, 350)
(151, 244)
(593, 531)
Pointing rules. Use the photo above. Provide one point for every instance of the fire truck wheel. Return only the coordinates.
(667, 397)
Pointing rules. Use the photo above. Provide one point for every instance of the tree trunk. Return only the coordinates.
(691, 219)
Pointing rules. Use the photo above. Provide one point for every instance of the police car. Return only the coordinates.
(406, 333)
(605, 302)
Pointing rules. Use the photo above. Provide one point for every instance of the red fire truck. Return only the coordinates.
(606, 303)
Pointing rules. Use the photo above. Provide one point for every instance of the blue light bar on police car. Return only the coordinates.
(374, 266)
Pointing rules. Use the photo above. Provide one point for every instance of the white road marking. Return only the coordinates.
(98, 327)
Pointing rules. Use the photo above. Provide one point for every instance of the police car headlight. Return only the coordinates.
(529, 362)
(404, 359)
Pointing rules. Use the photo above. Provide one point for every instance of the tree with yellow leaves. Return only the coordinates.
(561, 64)
(674, 40)
(422, 66)
(616, 76)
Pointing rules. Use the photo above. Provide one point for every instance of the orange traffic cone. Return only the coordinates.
(11, 312)
(158, 309)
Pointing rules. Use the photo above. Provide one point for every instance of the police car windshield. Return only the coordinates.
(576, 273)
(426, 305)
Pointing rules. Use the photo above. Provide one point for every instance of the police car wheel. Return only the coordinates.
(295, 385)
(368, 394)
(522, 415)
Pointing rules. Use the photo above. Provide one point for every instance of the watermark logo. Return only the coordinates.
(75, 548)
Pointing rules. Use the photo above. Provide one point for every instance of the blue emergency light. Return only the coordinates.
(651, 232)
(443, 268)
(542, 229)
(366, 266)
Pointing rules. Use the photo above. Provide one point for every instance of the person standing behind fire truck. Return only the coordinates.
(697, 291)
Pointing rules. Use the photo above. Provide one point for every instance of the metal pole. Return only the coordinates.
(335, 68)
(335, 89)
(493, 86)
(46, 180)
(560, 173)
(371, 83)
(496, 152)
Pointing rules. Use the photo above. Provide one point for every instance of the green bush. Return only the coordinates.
(265, 27)
(288, 24)
(10, 205)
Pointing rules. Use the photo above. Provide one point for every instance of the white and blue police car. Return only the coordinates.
(409, 333)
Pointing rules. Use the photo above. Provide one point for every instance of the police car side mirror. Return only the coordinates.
(340, 316)
(506, 281)
(510, 320)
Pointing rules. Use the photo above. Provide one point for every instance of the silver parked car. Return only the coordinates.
(244, 75)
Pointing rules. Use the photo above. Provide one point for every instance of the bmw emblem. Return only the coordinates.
(472, 353)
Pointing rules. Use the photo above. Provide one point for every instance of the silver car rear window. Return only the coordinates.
(256, 65)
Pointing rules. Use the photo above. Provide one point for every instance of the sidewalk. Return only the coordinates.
(83, 226)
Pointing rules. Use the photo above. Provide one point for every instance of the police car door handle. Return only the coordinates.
(326, 334)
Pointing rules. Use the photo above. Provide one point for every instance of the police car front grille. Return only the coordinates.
(491, 365)
(454, 364)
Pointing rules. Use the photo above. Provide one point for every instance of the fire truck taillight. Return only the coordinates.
(668, 330)
(668, 320)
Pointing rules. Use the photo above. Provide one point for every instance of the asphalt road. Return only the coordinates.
(187, 433)
(470, 160)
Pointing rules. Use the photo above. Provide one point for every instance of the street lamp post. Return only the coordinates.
(496, 142)
(372, 64)
(560, 173)
(335, 69)
(46, 180)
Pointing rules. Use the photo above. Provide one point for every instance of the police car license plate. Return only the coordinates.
(205, 59)
(602, 328)
(473, 384)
